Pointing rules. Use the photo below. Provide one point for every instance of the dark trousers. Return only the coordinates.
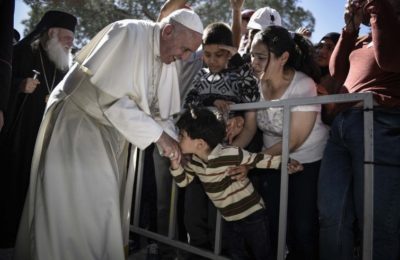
(248, 238)
(302, 221)
(199, 216)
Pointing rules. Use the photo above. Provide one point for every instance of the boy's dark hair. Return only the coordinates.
(217, 33)
(204, 124)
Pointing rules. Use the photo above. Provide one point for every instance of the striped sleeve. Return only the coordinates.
(260, 160)
(182, 177)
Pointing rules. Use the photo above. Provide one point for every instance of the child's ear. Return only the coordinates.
(201, 144)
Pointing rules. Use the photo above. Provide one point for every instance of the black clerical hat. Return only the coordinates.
(17, 36)
(51, 19)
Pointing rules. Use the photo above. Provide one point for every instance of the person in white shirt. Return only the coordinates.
(287, 70)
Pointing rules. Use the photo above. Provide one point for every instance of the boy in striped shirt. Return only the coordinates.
(201, 135)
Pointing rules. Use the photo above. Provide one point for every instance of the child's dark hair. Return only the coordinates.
(204, 124)
(278, 40)
(217, 33)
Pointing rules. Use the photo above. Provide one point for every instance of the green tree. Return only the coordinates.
(93, 15)
(293, 16)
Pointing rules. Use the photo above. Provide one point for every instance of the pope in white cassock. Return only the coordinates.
(123, 88)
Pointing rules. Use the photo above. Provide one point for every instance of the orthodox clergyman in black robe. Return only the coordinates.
(40, 62)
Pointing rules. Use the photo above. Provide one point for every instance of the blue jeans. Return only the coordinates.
(249, 237)
(340, 194)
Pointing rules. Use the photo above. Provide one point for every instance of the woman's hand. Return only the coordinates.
(238, 172)
(234, 126)
(169, 6)
(304, 31)
(294, 166)
(353, 14)
(237, 4)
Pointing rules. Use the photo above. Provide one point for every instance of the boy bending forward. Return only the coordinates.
(201, 135)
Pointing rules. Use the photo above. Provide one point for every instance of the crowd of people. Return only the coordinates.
(70, 127)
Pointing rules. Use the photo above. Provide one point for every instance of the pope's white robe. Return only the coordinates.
(79, 178)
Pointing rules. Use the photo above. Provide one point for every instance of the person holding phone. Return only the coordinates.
(369, 63)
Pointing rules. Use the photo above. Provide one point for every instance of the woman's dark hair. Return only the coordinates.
(279, 40)
(204, 124)
(217, 33)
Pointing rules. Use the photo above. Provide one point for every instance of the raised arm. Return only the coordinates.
(249, 129)
(169, 6)
(339, 62)
(236, 6)
(385, 28)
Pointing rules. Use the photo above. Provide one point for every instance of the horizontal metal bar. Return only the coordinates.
(339, 98)
(177, 244)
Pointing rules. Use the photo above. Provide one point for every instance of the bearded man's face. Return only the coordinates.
(59, 46)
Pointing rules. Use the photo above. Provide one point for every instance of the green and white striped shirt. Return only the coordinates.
(234, 199)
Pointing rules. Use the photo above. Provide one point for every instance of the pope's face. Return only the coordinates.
(177, 43)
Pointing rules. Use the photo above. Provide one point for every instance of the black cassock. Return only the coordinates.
(17, 140)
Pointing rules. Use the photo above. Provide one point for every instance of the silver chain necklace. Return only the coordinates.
(49, 88)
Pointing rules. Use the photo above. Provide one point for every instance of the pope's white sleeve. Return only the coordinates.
(138, 128)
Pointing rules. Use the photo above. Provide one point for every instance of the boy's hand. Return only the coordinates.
(222, 105)
(232, 50)
(294, 166)
(174, 163)
(238, 172)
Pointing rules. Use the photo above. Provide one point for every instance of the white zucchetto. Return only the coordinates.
(187, 18)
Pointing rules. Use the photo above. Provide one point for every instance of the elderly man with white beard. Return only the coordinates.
(40, 62)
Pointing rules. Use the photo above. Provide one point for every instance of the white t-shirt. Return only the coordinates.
(270, 121)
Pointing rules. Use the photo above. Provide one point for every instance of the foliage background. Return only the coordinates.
(93, 15)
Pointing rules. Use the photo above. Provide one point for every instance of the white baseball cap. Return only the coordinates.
(187, 18)
(264, 17)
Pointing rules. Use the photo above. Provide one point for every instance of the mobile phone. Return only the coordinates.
(357, 4)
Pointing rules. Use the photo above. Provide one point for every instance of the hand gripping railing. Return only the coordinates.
(367, 100)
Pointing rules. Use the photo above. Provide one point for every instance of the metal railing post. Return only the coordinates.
(218, 232)
(138, 194)
(368, 225)
(281, 251)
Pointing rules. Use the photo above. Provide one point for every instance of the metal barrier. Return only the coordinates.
(367, 100)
